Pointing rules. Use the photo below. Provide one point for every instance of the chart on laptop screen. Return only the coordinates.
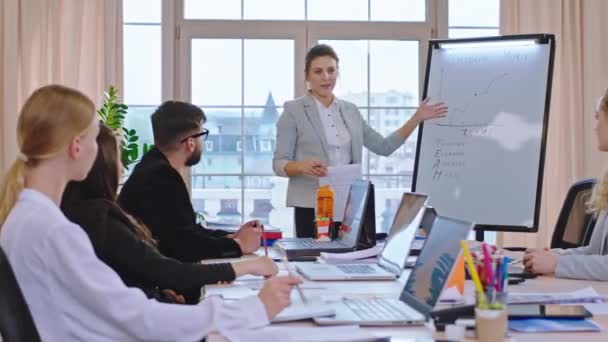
(436, 259)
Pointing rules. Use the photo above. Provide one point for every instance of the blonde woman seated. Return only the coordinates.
(588, 262)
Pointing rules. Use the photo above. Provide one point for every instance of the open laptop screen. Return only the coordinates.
(354, 212)
(402, 233)
(435, 263)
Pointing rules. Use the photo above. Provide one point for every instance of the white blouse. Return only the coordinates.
(336, 132)
(72, 295)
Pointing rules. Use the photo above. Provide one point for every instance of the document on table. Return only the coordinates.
(352, 257)
(340, 178)
(585, 295)
(306, 334)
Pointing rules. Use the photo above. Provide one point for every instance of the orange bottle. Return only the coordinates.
(325, 210)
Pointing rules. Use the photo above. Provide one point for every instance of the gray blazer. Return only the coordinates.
(301, 135)
(588, 262)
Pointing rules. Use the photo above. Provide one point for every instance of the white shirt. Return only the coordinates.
(338, 136)
(72, 295)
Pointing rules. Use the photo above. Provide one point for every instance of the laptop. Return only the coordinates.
(422, 289)
(352, 222)
(393, 256)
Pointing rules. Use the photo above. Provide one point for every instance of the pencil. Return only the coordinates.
(473, 272)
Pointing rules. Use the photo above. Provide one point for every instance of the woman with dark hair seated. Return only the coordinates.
(127, 246)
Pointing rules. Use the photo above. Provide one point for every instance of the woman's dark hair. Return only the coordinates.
(102, 181)
(317, 51)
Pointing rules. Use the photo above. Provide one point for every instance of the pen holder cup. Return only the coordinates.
(491, 325)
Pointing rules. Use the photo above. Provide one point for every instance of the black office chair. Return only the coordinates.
(16, 323)
(574, 225)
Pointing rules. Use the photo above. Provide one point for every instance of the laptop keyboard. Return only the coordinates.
(357, 269)
(315, 244)
(380, 309)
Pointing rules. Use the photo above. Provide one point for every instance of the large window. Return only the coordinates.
(240, 60)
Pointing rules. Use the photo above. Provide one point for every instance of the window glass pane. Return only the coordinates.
(223, 148)
(138, 118)
(142, 11)
(388, 191)
(466, 33)
(398, 10)
(260, 135)
(212, 9)
(352, 80)
(269, 70)
(274, 9)
(142, 63)
(216, 72)
(265, 201)
(394, 70)
(474, 13)
(337, 10)
(218, 198)
(386, 121)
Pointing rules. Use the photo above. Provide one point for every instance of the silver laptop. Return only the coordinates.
(422, 289)
(352, 223)
(393, 256)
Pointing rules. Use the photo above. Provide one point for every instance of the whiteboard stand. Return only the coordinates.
(484, 162)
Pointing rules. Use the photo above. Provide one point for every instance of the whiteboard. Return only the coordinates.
(484, 161)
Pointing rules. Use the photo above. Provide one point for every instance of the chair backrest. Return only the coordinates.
(16, 323)
(574, 225)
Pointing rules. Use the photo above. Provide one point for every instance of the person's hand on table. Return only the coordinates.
(540, 261)
(276, 294)
(262, 266)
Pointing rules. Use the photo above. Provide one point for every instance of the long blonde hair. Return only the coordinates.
(50, 118)
(599, 198)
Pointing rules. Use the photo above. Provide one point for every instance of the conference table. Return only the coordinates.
(322, 290)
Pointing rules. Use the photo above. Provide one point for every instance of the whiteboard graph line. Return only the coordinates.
(463, 109)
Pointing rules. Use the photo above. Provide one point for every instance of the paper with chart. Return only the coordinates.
(484, 156)
(340, 178)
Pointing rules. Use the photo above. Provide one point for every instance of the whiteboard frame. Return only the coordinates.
(541, 38)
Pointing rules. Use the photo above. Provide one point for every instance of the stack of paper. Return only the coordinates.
(586, 295)
(363, 256)
(306, 334)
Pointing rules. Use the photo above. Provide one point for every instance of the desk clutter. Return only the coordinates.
(346, 285)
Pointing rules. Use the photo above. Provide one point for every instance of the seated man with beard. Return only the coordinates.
(157, 194)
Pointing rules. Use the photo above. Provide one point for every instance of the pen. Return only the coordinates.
(264, 241)
(288, 266)
(487, 260)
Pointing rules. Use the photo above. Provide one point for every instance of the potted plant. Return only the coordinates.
(112, 114)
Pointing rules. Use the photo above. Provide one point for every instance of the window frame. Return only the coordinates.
(177, 34)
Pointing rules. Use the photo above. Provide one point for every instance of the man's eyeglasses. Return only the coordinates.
(204, 133)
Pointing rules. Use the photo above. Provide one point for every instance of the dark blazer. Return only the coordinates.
(156, 194)
(137, 263)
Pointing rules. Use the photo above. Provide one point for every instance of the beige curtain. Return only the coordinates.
(77, 43)
(580, 76)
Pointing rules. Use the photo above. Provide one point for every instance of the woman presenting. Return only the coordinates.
(319, 130)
